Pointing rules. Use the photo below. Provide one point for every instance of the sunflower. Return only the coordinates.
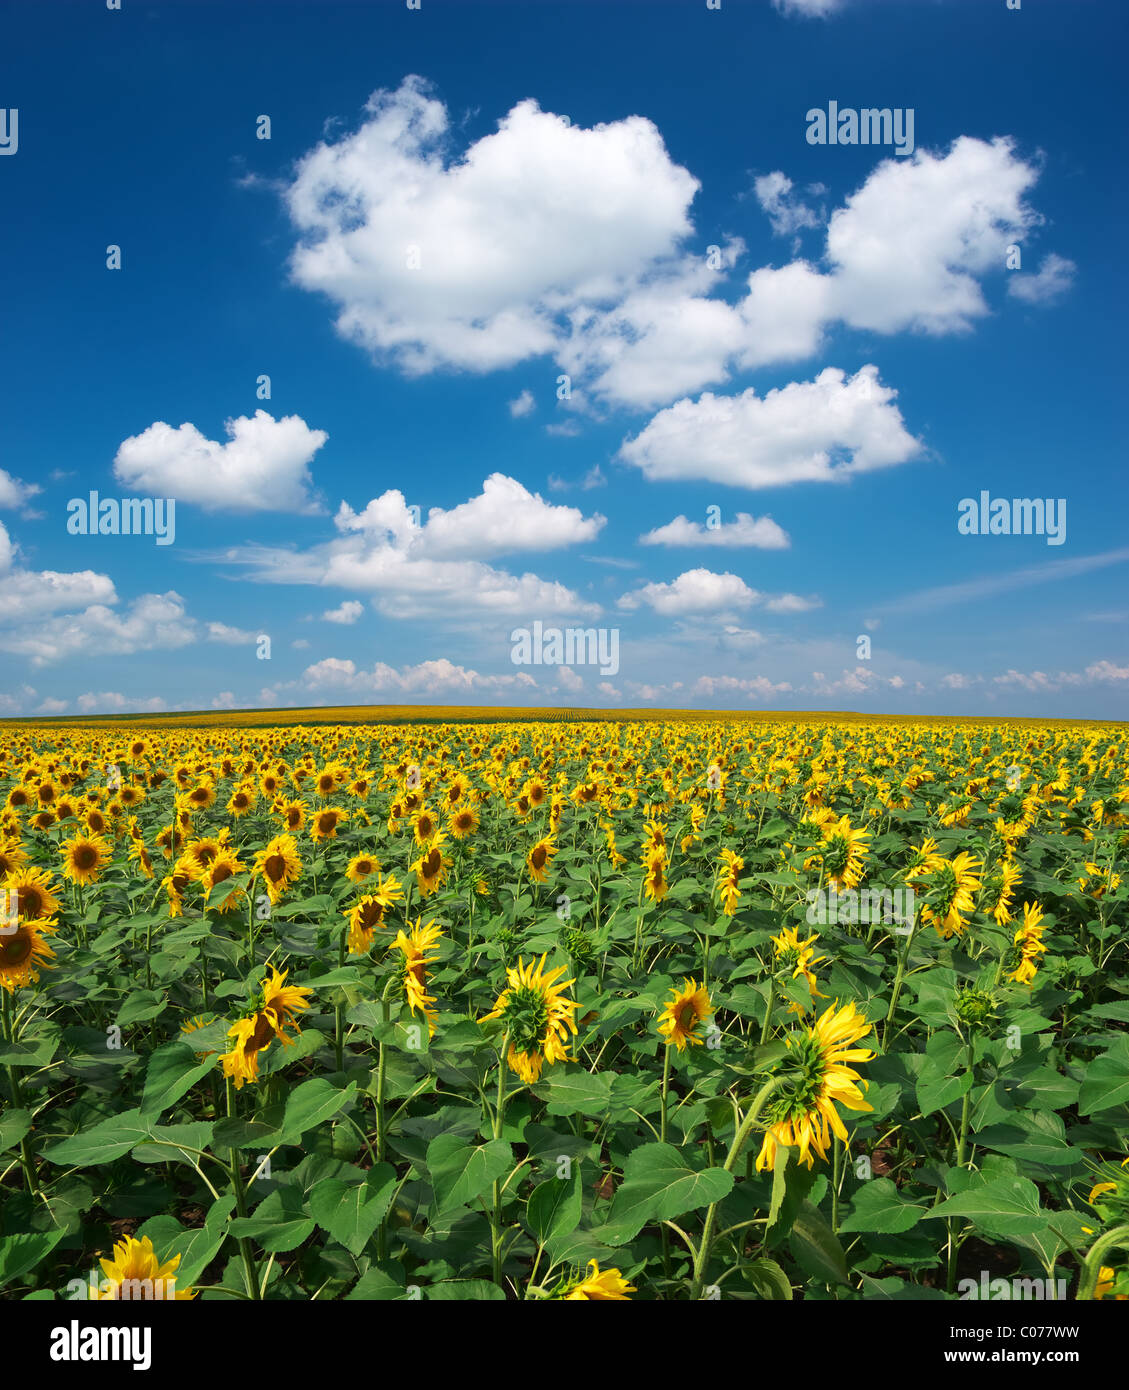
(842, 854)
(225, 865)
(278, 865)
(431, 868)
(367, 915)
(424, 827)
(170, 841)
(241, 801)
(417, 945)
(798, 956)
(686, 1009)
(655, 885)
(12, 858)
(202, 795)
(138, 851)
(540, 857)
(599, 1286)
(272, 1013)
(23, 952)
(136, 1273)
(97, 822)
(84, 858)
(293, 813)
(199, 854)
(32, 888)
(537, 1017)
(463, 822)
(727, 876)
(323, 824)
(950, 892)
(1029, 940)
(802, 1112)
(361, 867)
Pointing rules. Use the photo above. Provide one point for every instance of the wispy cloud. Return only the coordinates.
(945, 595)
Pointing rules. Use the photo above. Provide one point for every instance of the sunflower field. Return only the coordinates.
(665, 1010)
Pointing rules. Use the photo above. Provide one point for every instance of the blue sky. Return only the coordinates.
(425, 245)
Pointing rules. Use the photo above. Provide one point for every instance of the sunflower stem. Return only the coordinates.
(1092, 1265)
(27, 1161)
(702, 1258)
(249, 1273)
(496, 1213)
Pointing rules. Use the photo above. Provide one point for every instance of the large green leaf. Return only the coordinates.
(815, 1247)
(1106, 1082)
(101, 1143)
(462, 1171)
(21, 1253)
(660, 1184)
(351, 1211)
(554, 1208)
(172, 1070)
(878, 1206)
(1003, 1207)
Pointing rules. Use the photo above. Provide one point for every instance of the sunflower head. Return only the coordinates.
(537, 1017)
(814, 1078)
(135, 1273)
(685, 1012)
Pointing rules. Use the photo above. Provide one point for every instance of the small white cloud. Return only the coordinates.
(694, 591)
(347, 613)
(523, 405)
(229, 636)
(1054, 277)
(224, 700)
(568, 679)
(762, 533)
(300, 644)
(14, 492)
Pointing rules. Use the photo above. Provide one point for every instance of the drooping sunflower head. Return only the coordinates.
(537, 1017)
(540, 857)
(419, 948)
(431, 868)
(816, 1078)
(684, 1014)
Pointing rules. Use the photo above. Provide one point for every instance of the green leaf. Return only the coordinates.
(351, 1211)
(279, 1224)
(461, 1171)
(172, 1070)
(878, 1206)
(659, 1184)
(814, 1245)
(464, 1289)
(165, 1139)
(1106, 1082)
(309, 1104)
(791, 1183)
(554, 1208)
(21, 1253)
(1003, 1206)
(579, 1093)
(140, 1006)
(768, 1279)
(101, 1143)
(14, 1125)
